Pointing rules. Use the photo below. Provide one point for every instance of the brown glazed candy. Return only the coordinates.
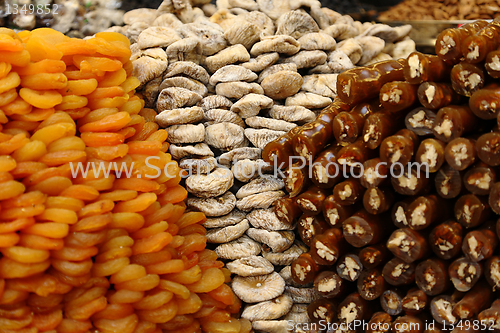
(465, 273)
(391, 301)
(467, 78)
(347, 126)
(310, 139)
(492, 64)
(286, 210)
(374, 255)
(492, 271)
(378, 200)
(399, 148)
(476, 47)
(329, 284)
(397, 272)
(375, 173)
(479, 179)
(361, 84)
(415, 302)
(430, 153)
(485, 102)
(445, 239)
(488, 148)
(426, 210)
(380, 322)
(279, 151)
(452, 121)
(480, 244)
(371, 284)
(327, 246)
(334, 213)
(304, 269)
(473, 302)
(348, 192)
(309, 226)
(460, 153)
(363, 229)
(379, 126)
(326, 172)
(449, 41)
(432, 277)
(420, 121)
(425, 67)
(408, 245)
(396, 96)
(448, 182)
(311, 201)
(471, 210)
(435, 95)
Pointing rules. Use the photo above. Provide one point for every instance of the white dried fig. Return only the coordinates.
(293, 113)
(227, 234)
(228, 56)
(282, 84)
(262, 184)
(321, 84)
(253, 289)
(186, 133)
(231, 73)
(261, 137)
(272, 124)
(175, 98)
(239, 154)
(225, 136)
(157, 37)
(184, 82)
(238, 248)
(317, 41)
(251, 104)
(296, 23)
(215, 116)
(237, 90)
(215, 102)
(260, 200)
(198, 150)
(189, 69)
(250, 266)
(180, 116)
(234, 217)
(307, 59)
(278, 43)
(212, 185)
(261, 62)
(198, 165)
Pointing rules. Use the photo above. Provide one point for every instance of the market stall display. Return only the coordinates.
(82, 245)
(226, 85)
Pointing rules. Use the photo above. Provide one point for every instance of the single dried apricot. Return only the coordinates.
(41, 99)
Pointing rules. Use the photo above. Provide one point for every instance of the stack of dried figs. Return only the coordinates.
(396, 192)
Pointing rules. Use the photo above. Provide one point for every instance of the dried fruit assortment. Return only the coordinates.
(83, 248)
(441, 10)
(227, 82)
(390, 243)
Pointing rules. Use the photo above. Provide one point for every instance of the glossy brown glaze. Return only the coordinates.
(445, 239)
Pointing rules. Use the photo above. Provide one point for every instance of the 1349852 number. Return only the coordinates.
(483, 325)
(31, 9)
